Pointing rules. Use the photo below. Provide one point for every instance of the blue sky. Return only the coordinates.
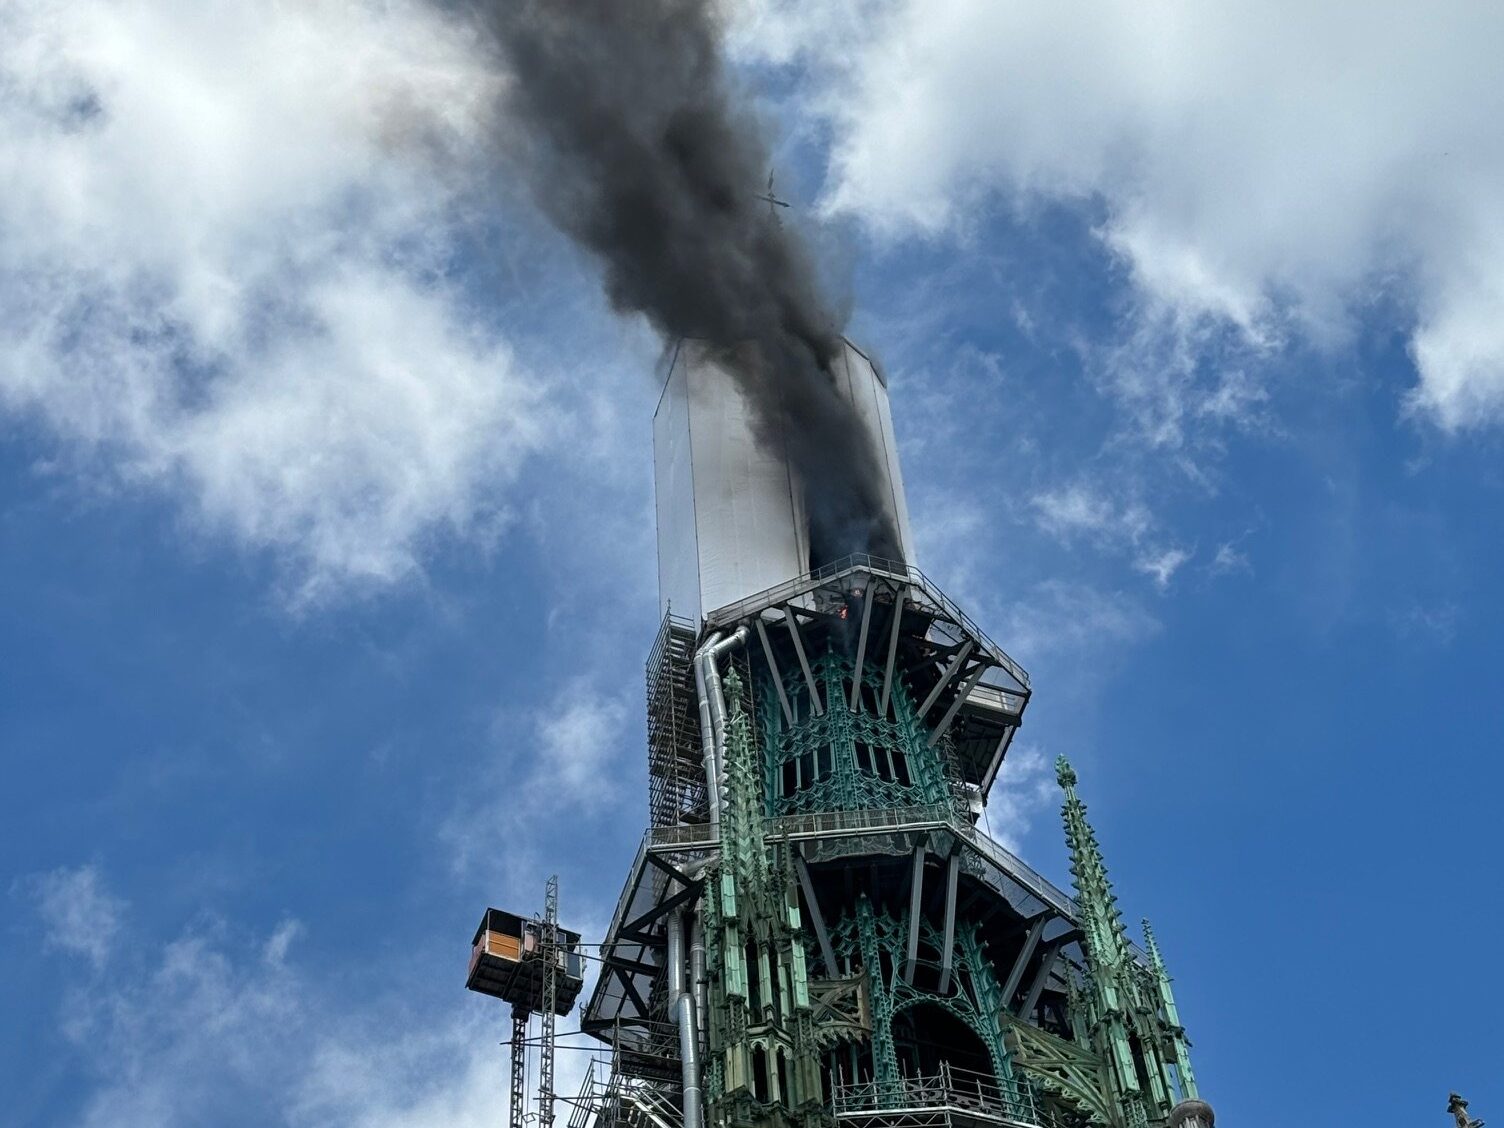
(326, 537)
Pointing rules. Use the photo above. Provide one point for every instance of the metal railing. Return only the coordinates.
(685, 834)
(860, 561)
(1020, 870)
(980, 1095)
(606, 1093)
(584, 1105)
(822, 824)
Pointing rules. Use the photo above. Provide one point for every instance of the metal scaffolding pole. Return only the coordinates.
(550, 954)
(519, 1067)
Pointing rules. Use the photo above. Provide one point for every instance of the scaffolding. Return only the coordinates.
(676, 770)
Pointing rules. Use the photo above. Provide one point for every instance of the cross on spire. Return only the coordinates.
(772, 200)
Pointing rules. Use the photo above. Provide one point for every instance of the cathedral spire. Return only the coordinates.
(1104, 941)
(741, 823)
(1100, 919)
(1172, 1015)
(1127, 1005)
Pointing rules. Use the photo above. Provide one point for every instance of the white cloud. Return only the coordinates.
(226, 228)
(78, 914)
(1230, 559)
(1079, 509)
(575, 762)
(1162, 565)
(1059, 622)
(1178, 389)
(1271, 167)
(280, 941)
(192, 1032)
(449, 1076)
(579, 739)
(1434, 623)
(1025, 787)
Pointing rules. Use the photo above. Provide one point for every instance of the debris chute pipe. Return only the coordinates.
(713, 714)
(681, 1007)
(707, 733)
(698, 984)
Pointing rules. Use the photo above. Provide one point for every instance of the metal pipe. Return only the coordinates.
(713, 714)
(682, 1013)
(675, 929)
(699, 985)
(707, 732)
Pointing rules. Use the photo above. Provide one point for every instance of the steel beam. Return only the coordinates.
(945, 678)
(1025, 954)
(767, 650)
(916, 898)
(1046, 965)
(809, 676)
(661, 909)
(952, 875)
(636, 967)
(955, 706)
(827, 953)
(683, 879)
(631, 989)
(882, 706)
(861, 647)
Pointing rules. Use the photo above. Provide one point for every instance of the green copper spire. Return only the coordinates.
(741, 822)
(764, 1068)
(1100, 918)
(1125, 1005)
(1106, 949)
(1171, 1014)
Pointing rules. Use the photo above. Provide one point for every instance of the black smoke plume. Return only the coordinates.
(642, 155)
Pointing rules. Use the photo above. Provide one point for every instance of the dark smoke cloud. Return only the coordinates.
(642, 155)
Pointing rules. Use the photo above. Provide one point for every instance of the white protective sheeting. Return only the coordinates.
(868, 393)
(731, 519)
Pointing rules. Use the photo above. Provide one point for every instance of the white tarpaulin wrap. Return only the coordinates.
(731, 519)
(868, 394)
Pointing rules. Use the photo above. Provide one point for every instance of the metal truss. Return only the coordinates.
(658, 882)
(966, 687)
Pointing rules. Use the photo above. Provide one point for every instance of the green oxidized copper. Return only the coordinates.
(1123, 1009)
(763, 1067)
(1124, 1062)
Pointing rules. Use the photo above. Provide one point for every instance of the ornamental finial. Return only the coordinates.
(1458, 1108)
(1064, 773)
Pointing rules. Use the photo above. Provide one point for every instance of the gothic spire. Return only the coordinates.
(1172, 1015)
(1100, 920)
(1105, 943)
(741, 823)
